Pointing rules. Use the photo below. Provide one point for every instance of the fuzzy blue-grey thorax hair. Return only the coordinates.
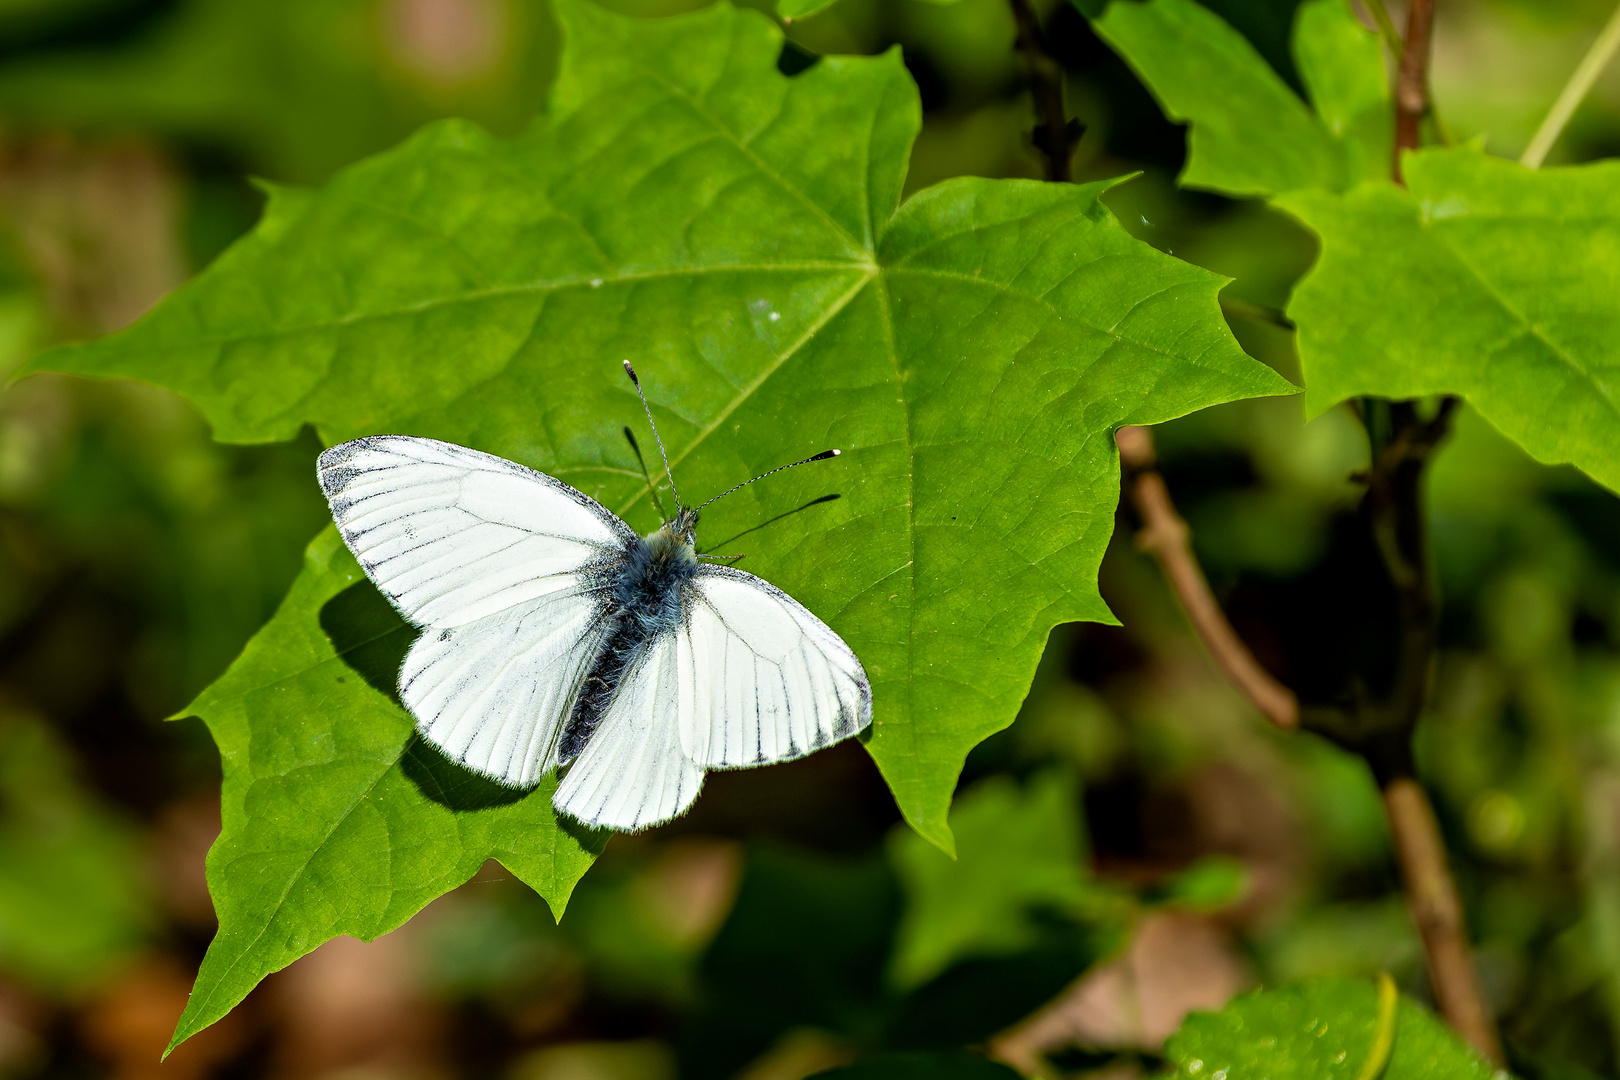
(641, 593)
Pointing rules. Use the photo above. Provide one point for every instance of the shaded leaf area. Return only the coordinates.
(1322, 1030)
(1509, 295)
(295, 90)
(919, 1066)
(340, 820)
(735, 232)
(1020, 860)
(73, 907)
(1251, 133)
(840, 945)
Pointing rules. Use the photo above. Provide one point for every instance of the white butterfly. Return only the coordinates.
(554, 635)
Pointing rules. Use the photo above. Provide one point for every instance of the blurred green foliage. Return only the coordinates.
(72, 902)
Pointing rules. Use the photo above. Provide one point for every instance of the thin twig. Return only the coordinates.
(1569, 99)
(1054, 134)
(1412, 80)
(1166, 537)
(1438, 913)
(1394, 506)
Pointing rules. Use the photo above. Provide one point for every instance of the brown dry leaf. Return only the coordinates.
(1176, 963)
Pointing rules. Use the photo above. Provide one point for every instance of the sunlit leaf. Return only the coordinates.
(1251, 134)
(1486, 280)
(737, 233)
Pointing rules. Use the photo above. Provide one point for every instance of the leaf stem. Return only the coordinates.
(1055, 135)
(1569, 99)
(1166, 537)
(1389, 1000)
(1386, 26)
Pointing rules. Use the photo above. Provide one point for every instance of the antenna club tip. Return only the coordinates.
(630, 371)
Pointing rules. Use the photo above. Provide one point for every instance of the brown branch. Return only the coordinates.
(1054, 133)
(1412, 80)
(1395, 510)
(1394, 505)
(1166, 537)
(1432, 897)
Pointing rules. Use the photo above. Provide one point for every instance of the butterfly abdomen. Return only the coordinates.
(642, 597)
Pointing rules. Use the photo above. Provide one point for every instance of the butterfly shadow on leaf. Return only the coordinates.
(371, 639)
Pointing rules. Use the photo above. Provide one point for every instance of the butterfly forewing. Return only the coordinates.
(498, 563)
(452, 535)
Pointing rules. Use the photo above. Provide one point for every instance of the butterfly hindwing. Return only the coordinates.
(633, 773)
(494, 693)
(762, 679)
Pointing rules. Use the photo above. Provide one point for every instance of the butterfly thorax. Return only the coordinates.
(641, 598)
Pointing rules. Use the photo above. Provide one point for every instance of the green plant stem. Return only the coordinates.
(1569, 99)
(1389, 1000)
(1386, 26)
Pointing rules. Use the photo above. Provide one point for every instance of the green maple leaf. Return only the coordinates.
(1325, 1029)
(738, 234)
(1250, 133)
(1486, 280)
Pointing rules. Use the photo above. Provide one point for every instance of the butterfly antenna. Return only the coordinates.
(652, 489)
(823, 456)
(661, 452)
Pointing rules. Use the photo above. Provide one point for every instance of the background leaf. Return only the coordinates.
(1019, 855)
(73, 906)
(921, 1066)
(1251, 134)
(1508, 287)
(735, 232)
(336, 818)
(1318, 1030)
